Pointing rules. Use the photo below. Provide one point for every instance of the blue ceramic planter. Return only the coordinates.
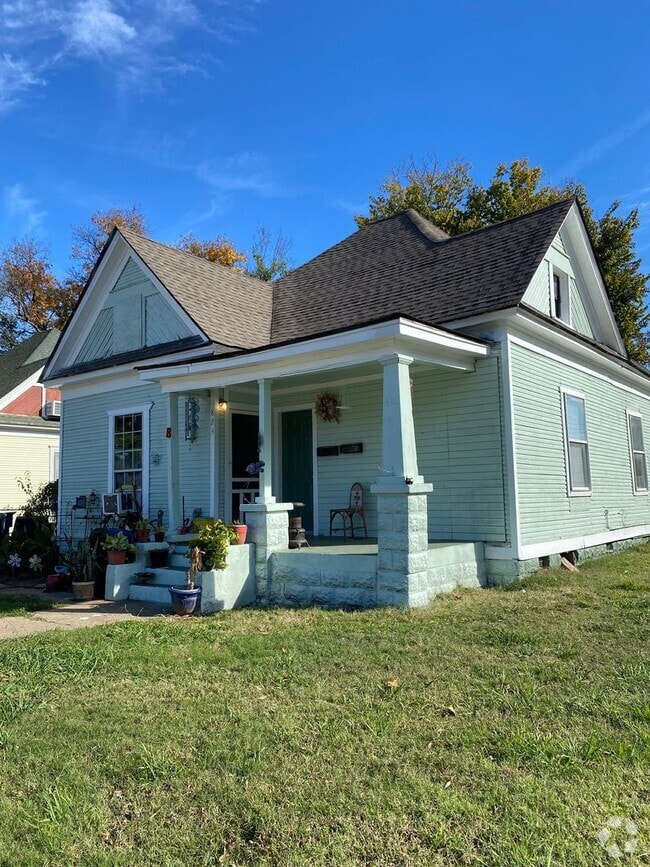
(184, 601)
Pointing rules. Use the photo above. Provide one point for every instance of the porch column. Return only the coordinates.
(267, 520)
(172, 463)
(403, 542)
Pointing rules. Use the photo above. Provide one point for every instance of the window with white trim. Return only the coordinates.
(561, 301)
(577, 443)
(637, 453)
(128, 452)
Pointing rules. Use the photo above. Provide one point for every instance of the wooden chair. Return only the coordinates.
(354, 507)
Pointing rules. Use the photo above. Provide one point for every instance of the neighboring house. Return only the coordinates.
(486, 401)
(29, 419)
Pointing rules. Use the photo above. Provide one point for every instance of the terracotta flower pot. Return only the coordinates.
(116, 558)
(142, 535)
(241, 530)
(82, 591)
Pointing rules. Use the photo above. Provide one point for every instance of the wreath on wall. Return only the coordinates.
(327, 407)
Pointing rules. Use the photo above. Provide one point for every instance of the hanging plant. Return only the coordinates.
(327, 407)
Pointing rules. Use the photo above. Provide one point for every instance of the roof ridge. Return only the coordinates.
(510, 220)
(231, 269)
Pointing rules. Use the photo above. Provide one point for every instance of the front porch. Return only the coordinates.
(307, 462)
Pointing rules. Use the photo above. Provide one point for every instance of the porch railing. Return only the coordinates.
(243, 490)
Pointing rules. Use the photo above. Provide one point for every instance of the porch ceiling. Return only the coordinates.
(352, 353)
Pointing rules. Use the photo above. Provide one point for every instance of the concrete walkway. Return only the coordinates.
(68, 614)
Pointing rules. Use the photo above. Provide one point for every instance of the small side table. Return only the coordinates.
(297, 537)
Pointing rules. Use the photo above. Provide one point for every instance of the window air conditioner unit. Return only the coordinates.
(52, 409)
(113, 504)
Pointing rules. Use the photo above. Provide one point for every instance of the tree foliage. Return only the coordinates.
(450, 198)
(270, 256)
(220, 249)
(88, 239)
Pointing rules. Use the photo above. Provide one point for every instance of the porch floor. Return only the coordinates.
(338, 545)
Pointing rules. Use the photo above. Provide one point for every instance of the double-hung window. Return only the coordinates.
(577, 443)
(128, 454)
(637, 453)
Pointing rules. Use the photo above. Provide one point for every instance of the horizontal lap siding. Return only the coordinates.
(458, 423)
(547, 512)
(84, 445)
(194, 458)
(22, 454)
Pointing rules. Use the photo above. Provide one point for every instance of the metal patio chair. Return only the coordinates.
(347, 513)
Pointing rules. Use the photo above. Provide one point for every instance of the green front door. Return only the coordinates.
(298, 463)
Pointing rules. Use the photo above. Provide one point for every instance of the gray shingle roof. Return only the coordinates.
(404, 265)
(228, 305)
(20, 362)
(11, 420)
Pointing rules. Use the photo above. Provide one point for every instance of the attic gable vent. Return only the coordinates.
(52, 410)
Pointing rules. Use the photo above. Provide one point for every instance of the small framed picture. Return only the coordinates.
(80, 502)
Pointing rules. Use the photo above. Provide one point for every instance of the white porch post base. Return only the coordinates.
(403, 544)
(268, 530)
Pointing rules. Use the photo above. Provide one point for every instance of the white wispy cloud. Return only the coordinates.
(95, 29)
(148, 37)
(245, 171)
(22, 210)
(613, 139)
(16, 77)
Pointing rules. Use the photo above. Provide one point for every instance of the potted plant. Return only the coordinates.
(81, 563)
(240, 529)
(159, 531)
(159, 557)
(213, 540)
(117, 547)
(185, 599)
(141, 530)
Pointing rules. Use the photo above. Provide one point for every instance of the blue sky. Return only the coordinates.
(217, 116)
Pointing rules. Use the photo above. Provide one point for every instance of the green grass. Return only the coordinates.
(22, 605)
(493, 728)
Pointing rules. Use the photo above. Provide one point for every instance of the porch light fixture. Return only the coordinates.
(222, 404)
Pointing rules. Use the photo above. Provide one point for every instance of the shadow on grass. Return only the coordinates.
(18, 605)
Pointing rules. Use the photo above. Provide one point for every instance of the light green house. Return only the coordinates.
(483, 395)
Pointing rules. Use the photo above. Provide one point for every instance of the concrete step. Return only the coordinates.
(178, 560)
(166, 577)
(155, 593)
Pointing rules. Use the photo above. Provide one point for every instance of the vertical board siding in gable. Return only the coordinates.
(579, 315)
(162, 325)
(538, 294)
(99, 343)
(546, 511)
(84, 446)
(131, 278)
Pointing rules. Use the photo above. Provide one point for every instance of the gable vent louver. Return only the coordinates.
(52, 410)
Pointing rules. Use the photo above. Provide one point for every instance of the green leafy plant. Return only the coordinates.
(118, 543)
(81, 561)
(213, 540)
(42, 501)
(141, 524)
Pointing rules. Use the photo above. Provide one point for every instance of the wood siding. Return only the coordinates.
(135, 314)
(547, 512)
(22, 453)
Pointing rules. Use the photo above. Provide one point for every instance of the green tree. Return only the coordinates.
(270, 256)
(451, 199)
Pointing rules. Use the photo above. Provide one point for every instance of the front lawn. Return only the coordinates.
(21, 605)
(498, 728)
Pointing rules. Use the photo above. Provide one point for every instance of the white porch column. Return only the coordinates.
(402, 559)
(267, 520)
(265, 441)
(172, 463)
(399, 459)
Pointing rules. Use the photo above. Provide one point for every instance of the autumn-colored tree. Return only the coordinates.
(88, 240)
(30, 295)
(450, 198)
(220, 249)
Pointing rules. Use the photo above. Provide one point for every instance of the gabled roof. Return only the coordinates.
(228, 305)
(22, 361)
(404, 265)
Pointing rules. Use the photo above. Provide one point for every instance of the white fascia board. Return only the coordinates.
(11, 396)
(27, 431)
(581, 250)
(94, 298)
(529, 332)
(423, 342)
(493, 320)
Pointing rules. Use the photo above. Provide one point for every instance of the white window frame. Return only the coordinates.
(55, 466)
(571, 491)
(565, 295)
(145, 410)
(640, 492)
